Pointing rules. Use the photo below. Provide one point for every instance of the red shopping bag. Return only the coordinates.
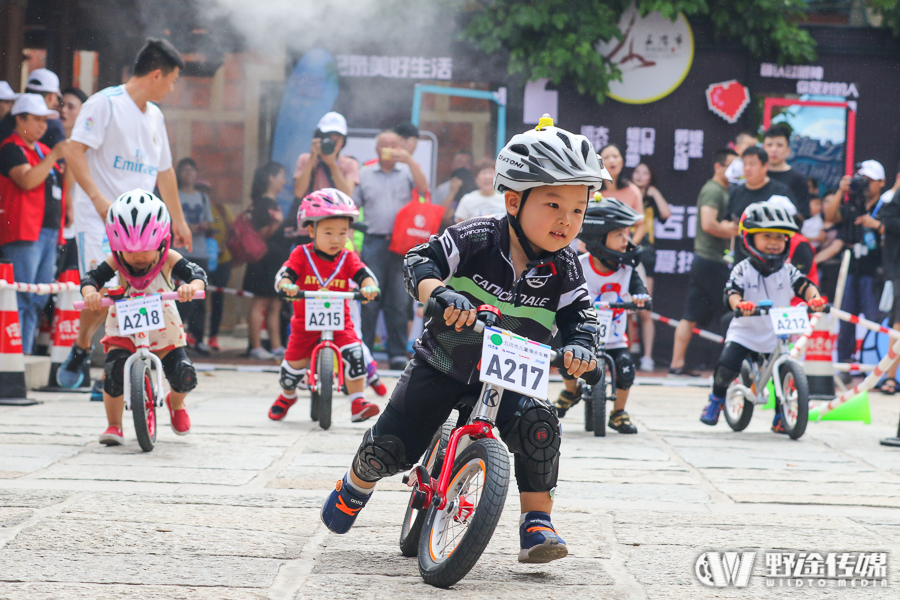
(415, 223)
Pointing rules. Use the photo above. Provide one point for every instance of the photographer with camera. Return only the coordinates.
(854, 207)
(324, 167)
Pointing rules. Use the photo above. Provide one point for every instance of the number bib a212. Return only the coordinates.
(323, 314)
(790, 320)
(604, 325)
(515, 363)
(140, 314)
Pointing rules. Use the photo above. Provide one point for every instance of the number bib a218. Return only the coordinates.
(321, 314)
(140, 314)
(790, 320)
(515, 363)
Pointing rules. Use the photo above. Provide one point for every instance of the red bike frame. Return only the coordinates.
(313, 375)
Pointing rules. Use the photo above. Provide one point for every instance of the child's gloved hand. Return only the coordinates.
(290, 289)
(818, 303)
(746, 307)
(578, 360)
(641, 299)
(185, 293)
(369, 292)
(458, 311)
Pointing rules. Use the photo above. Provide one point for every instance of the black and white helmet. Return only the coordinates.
(548, 155)
(766, 216)
(605, 216)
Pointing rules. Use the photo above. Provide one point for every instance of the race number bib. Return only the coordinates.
(324, 314)
(140, 314)
(790, 320)
(515, 363)
(604, 325)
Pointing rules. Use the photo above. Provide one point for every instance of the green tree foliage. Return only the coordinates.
(556, 39)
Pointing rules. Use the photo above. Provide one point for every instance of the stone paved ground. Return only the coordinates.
(231, 511)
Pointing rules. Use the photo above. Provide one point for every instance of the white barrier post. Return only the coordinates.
(12, 363)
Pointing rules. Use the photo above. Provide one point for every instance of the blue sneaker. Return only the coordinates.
(69, 374)
(343, 505)
(710, 414)
(538, 539)
(778, 423)
(97, 391)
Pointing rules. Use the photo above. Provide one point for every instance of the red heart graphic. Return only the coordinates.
(728, 99)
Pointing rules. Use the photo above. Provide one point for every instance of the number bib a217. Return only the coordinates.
(604, 325)
(321, 314)
(790, 320)
(515, 363)
(140, 314)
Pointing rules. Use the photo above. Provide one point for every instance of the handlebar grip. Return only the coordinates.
(630, 305)
(590, 377)
(432, 310)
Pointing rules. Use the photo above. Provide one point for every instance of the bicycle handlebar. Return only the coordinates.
(107, 301)
(301, 294)
(648, 305)
(764, 310)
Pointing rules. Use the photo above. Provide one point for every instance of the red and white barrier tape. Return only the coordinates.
(232, 291)
(708, 335)
(41, 289)
(870, 325)
(847, 367)
(800, 343)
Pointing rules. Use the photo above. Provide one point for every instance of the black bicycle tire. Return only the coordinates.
(598, 401)
(482, 524)
(588, 409)
(314, 406)
(802, 399)
(433, 461)
(325, 375)
(139, 372)
(747, 413)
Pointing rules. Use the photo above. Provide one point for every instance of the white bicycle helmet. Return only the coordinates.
(548, 155)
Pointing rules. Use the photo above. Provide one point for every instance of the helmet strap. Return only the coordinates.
(534, 259)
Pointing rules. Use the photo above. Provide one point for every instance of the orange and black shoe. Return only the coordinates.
(567, 400)
(778, 423)
(538, 539)
(281, 406)
(340, 510)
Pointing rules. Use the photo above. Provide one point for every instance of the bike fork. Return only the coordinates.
(143, 354)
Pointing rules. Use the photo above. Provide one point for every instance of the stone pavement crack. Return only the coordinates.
(293, 573)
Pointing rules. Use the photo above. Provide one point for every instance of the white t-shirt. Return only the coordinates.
(610, 287)
(127, 148)
(735, 171)
(756, 333)
(476, 204)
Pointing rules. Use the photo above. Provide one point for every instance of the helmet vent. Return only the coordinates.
(519, 149)
(585, 149)
(565, 139)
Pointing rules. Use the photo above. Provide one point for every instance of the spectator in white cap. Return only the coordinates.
(7, 97)
(31, 208)
(45, 83)
(855, 205)
(323, 166)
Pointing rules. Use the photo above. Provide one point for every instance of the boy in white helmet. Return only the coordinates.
(521, 264)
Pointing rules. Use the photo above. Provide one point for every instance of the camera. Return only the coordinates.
(855, 207)
(858, 185)
(327, 146)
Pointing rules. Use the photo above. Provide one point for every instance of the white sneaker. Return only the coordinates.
(647, 363)
(261, 354)
(278, 352)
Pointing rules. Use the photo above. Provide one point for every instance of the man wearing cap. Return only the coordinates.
(861, 233)
(31, 208)
(44, 83)
(7, 98)
(317, 170)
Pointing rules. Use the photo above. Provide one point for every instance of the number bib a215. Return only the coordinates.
(323, 314)
(515, 363)
(604, 325)
(790, 320)
(140, 314)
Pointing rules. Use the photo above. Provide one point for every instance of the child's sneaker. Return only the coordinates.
(213, 343)
(179, 419)
(97, 391)
(373, 380)
(113, 436)
(70, 374)
(361, 410)
(343, 505)
(778, 423)
(538, 539)
(280, 407)
(710, 414)
(567, 400)
(621, 422)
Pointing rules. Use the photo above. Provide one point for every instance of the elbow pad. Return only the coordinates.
(285, 272)
(361, 275)
(99, 276)
(581, 330)
(187, 272)
(417, 268)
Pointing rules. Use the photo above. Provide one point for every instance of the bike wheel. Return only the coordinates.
(795, 404)
(433, 460)
(588, 408)
(739, 411)
(598, 399)
(314, 406)
(453, 539)
(325, 375)
(143, 405)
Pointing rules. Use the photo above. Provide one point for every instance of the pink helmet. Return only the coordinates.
(326, 203)
(138, 221)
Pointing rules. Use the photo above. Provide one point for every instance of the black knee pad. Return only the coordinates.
(533, 434)
(289, 378)
(179, 371)
(624, 371)
(723, 376)
(380, 457)
(114, 383)
(354, 362)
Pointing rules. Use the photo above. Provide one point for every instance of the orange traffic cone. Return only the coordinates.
(12, 364)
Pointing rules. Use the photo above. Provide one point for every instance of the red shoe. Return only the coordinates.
(213, 343)
(360, 410)
(379, 387)
(179, 419)
(113, 436)
(281, 406)
(189, 339)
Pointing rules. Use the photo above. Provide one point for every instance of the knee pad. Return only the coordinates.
(624, 372)
(179, 371)
(289, 377)
(723, 376)
(354, 362)
(380, 457)
(533, 434)
(114, 383)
